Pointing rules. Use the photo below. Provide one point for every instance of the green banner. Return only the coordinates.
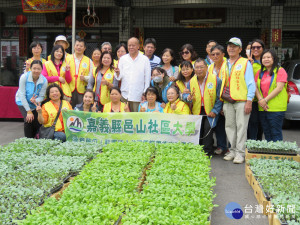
(147, 127)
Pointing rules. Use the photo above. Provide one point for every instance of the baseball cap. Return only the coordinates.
(61, 38)
(235, 41)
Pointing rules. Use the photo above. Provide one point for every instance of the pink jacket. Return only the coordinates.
(52, 79)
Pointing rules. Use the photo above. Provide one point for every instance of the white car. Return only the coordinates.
(293, 108)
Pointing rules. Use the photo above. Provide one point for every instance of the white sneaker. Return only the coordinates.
(229, 157)
(238, 159)
(228, 151)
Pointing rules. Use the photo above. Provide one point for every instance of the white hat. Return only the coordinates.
(61, 38)
(235, 41)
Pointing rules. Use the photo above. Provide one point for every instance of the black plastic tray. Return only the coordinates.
(271, 153)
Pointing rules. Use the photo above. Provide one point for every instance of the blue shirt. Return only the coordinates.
(249, 79)
(157, 107)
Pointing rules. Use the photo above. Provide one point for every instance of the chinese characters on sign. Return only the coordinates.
(152, 127)
(276, 37)
(255, 212)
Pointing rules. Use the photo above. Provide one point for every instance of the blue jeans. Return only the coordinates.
(60, 136)
(221, 134)
(272, 125)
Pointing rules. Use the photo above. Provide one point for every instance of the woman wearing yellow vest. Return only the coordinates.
(254, 127)
(36, 49)
(175, 105)
(57, 70)
(205, 95)
(187, 53)
(48, 112)
(96, 54)
(115, 105)
(103, 79)
(272, 95)
(184, 77)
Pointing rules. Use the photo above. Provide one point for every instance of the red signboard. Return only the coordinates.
(276, 37)
(44, 6)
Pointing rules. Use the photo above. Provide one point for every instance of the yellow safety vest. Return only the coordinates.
(84, 67)
(116, 62)
(212, 66)
(51, 70)
(181, 85)
(31, 60)
(104, 90)
(256, 67)
(236, 80)
(52, 113)
(181, 108)
(107, 107)
(209, 95)
(279, 102)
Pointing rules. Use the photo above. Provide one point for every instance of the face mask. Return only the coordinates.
(157, 79)
(248, 52)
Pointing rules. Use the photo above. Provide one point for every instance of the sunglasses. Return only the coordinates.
(256, 47)
(185, 53)
(216, 54)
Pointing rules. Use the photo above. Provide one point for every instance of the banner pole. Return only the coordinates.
(73, 24)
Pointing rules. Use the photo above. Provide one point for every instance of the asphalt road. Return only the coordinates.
(232, 185)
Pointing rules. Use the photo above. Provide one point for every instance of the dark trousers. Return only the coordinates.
(206, 134)
(272, 124)
(76, 98)
(221, 134)
(254, 131)
(30, 129)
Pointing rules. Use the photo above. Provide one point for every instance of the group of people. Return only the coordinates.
(236, 96)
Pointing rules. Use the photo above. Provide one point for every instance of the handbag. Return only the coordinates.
(226, 90)
(48, 132)
(226, 95)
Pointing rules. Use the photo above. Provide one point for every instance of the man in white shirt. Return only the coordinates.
(135, 74)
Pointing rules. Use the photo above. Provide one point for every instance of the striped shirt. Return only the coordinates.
(154, 61)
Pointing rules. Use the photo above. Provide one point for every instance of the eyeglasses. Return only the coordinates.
(256, 47)
(216, 54)
(185, 53)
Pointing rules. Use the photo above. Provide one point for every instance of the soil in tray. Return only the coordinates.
(56, 188)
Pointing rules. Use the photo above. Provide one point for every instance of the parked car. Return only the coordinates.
(293, 109)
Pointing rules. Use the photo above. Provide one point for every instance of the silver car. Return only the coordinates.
(293, 108)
